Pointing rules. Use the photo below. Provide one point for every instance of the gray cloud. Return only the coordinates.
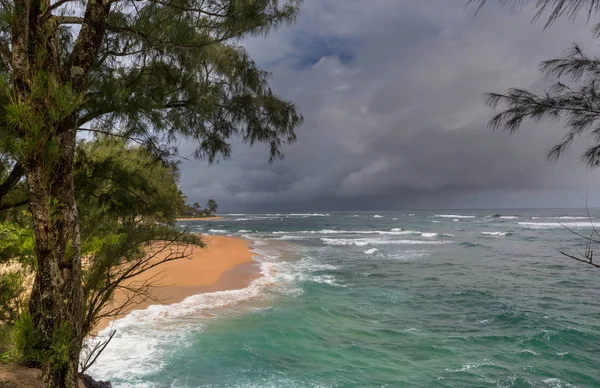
(391, 94)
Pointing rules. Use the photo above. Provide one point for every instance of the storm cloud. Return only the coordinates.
(391, 95)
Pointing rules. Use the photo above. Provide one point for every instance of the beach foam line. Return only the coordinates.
(144, 337)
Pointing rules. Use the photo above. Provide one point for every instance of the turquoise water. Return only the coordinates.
(405, 299)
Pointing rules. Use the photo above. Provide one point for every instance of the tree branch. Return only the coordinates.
(68, 19)
(13, 178)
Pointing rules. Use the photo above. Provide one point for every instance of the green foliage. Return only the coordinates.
(61, 345)
(26, 350)
(5, 341)
(12, 296)
(212, 206)
(16, 242)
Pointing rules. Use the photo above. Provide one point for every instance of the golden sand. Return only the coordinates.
(224, 264)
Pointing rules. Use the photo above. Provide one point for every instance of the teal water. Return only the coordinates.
(404, 299)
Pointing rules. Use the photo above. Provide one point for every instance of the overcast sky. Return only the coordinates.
(391, 95)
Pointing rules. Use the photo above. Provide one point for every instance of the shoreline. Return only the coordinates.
(225, 264)
(215, 218)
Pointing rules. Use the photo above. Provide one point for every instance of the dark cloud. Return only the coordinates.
(391, 94)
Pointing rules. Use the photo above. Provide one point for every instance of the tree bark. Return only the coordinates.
(56, 304)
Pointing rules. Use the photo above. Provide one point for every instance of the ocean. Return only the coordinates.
(478, 298)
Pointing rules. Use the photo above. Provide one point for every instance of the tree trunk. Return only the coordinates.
(56, 305)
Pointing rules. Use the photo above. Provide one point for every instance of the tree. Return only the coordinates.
(574, 98)
(555, 8)
(127, 201)
(212, 206)
(147, 71)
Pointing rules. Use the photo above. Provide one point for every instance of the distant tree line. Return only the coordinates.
(196, 210)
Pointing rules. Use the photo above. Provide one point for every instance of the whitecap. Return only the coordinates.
(557, 383)
(374, 241)
(494, 233)
(452, 216)
(557, 225)
(509, 217)
(306, 215)
(377, 216)
(529, 352)
(218, 231)
(371, 251)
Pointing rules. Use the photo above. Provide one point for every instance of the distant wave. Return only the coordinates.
(572, 218)
(496, 233)
(218, 231)
(468, 244)
(452, 216)
(509, 217)
(242, 219)
(392, 232)
(244, 231)
(308, 215)
(377, 216)
(297, 215)
(373, 241)
(371, 251)
(557, 225)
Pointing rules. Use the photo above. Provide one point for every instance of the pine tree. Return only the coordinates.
(147, 71)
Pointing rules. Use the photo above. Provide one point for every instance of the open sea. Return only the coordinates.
(388, 299)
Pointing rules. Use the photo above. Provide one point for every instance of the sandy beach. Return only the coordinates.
(216, 218)
(224, 264)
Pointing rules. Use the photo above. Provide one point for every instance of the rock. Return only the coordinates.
(18, 376)
(89, 382)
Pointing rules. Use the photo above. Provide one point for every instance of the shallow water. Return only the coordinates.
(408, 299)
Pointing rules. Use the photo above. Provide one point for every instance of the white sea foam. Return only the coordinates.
(396, 231)
(375, 241)
(429, 234)
(308, 215)
(557, 383)
(371, 251)
(145, 337)
(529, 352)
(218, 231)
(436, 222)
(236, 214)
(474, 365)
(572, 218)
(243, 219)
(377, 216)
(557, 225)
(244, 231)
(494, 233)
(452, 216)
(509, 217)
